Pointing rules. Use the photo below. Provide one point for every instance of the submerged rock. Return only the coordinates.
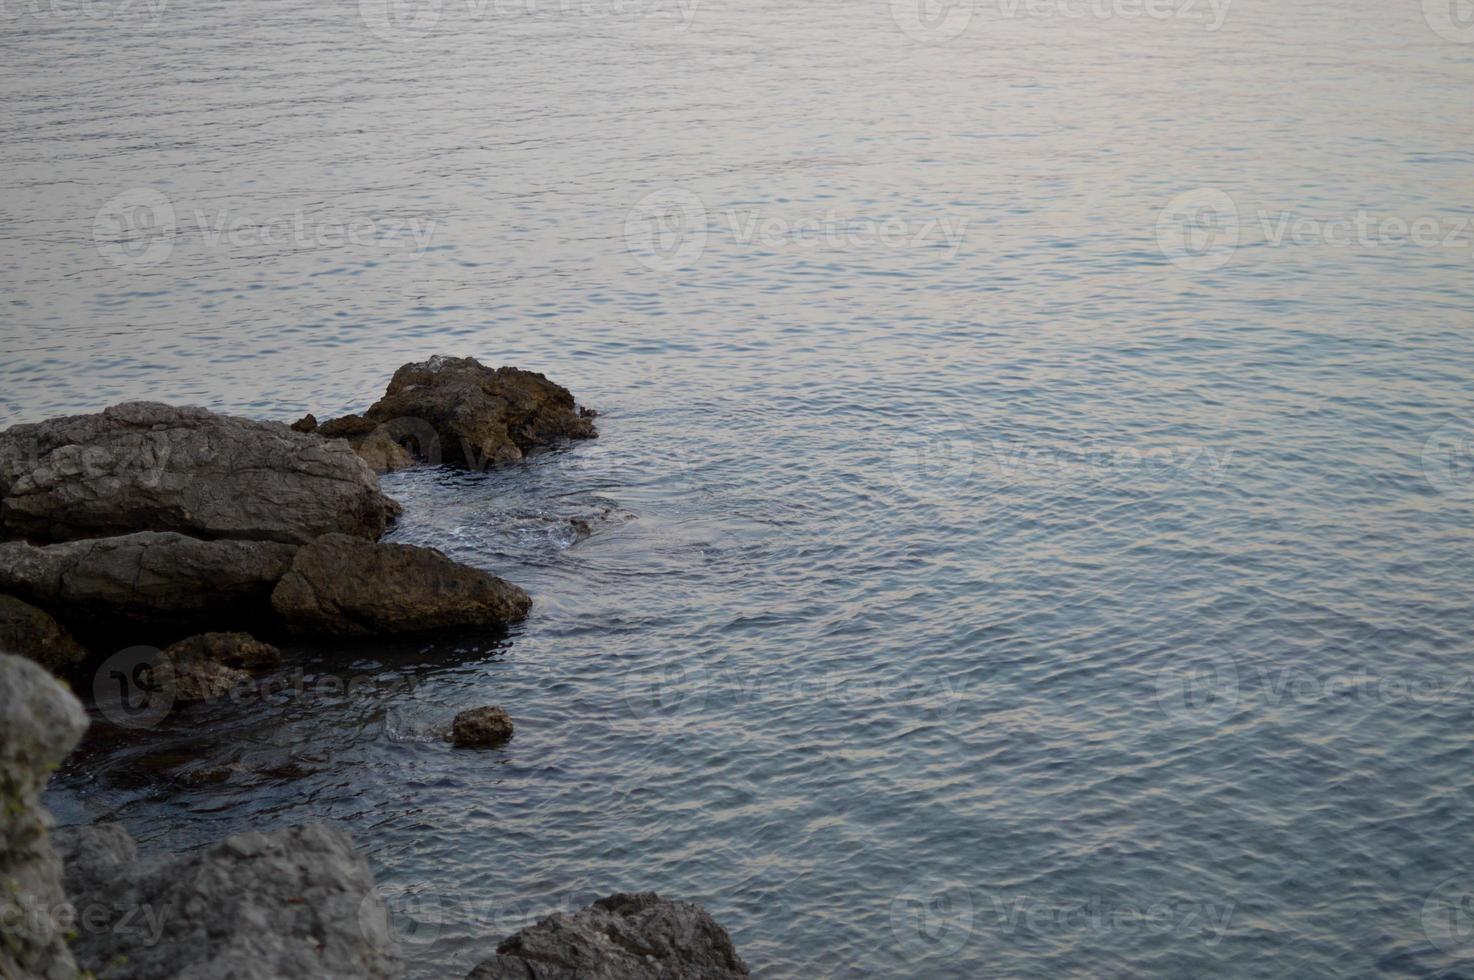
(479, 415)
(479, 727)
(295, 904)
(206, 666)
(158, 578)
(622, 937)
(40, 722)
(143, 466)
(347, 586)
(240, 650)
(196, 680)
(35, 633)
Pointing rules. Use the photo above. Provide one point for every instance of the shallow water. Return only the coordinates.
(936, 463)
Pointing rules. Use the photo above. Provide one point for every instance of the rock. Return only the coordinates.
(481, 727)
(100, 852)
(374, 443)
(307, 423)
(142, 466)
(34, 633)
(347, 586)
(207, 666)
(479, 416)
(157, 578)
(382, 454)
(196, 680)
(295, 904)
(240, 650)
(347, 427)
(40, 722)
(622, 937)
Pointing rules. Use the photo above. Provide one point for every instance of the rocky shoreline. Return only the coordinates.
(198, 539)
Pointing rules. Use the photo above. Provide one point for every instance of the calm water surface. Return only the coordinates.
(985, 568)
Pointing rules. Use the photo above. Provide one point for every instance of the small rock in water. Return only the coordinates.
(480, 416)
(622, 937)
(481, 726)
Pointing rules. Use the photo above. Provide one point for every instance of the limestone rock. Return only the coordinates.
(143, 466)
(622, 937)
(40, 722)
(347, 586)
(295, 904)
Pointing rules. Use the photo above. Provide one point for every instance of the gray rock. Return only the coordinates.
(478, 416)
(295, 904)
(40, 722)
(158, 578)
(347, 586)
(35, 633)
(478, 727)
(622, 937)
(143, 466)
(103, 852)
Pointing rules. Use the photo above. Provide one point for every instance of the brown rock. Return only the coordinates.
(382, 454)
(34, 633)
(622, 937)
(196, 680)
(307, 423)
(478, 416)
(240, 650)
(347, 586)
(481, 727)
(375, 444)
